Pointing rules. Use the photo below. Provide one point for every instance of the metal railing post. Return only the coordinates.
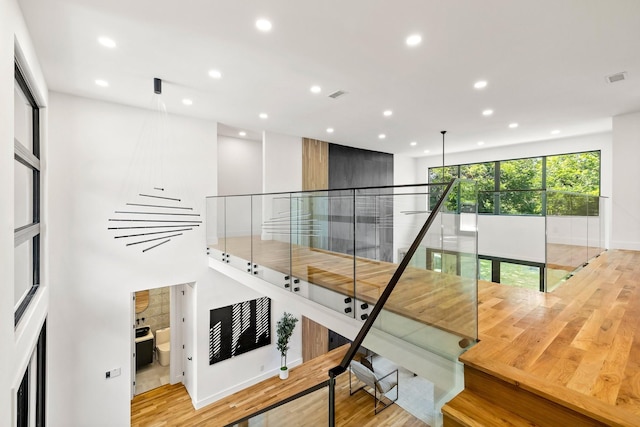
(332, 400)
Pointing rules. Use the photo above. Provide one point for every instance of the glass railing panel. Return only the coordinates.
(238, 231)
(387, 221)
(272, 222)
(434, 304)
(322, 248)
(314, 405)
(567, 235)
(215, 227)
(595, 215)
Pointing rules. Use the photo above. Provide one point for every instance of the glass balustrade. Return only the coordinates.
(434, 304)
(315, 402)
(343, 248)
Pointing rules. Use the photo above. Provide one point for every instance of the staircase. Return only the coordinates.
(492, 399)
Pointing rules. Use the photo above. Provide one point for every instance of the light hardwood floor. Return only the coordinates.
(579, 344)
(171, 405)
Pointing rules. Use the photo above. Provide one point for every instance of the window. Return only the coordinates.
(576, 173)
(515, 187)
(516, 177)
(522, 274)
(484, 175)
(26, 195)
(30, 395)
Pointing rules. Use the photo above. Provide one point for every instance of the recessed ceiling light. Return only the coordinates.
(480, 84)
(426, 151)
(263, 24)
(187, 101)
(316, 89)
(480, 142)
(263, 115)
(513, 125)
(242, 133)
(329, 130)
(413, 40)
(387, 113)
(382, 136)
(102, 83)
(413, 143)
(487, 112)
(555, 132)
(107, 42)
(215, 74)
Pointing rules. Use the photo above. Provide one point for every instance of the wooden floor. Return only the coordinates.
(171, 405)
(442, 300)
(579, 344)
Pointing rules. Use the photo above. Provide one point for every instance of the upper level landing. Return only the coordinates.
(578, 346)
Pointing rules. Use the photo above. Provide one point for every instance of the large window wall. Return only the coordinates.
(515, 187)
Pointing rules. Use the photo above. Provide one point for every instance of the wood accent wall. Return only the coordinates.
(315, 339)
(315, 164)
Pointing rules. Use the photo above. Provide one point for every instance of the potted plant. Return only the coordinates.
(284, 329)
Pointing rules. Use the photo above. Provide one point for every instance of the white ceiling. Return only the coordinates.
(545, 62)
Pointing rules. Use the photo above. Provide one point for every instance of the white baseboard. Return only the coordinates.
(619, 244)
(241, 386)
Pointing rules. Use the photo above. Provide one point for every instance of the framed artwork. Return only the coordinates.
(239, 328)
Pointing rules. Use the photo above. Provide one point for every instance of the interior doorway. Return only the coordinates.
(151, 338)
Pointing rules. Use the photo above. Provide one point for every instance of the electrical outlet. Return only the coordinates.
(261, 368)
(112, 373)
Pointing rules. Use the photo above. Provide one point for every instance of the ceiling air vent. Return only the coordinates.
(337, 94)
(617, 77)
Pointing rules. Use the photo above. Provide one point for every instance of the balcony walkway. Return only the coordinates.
(441, 300)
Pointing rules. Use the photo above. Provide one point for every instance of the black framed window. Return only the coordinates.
(31, 393)
(519, 273)
(22, 402)
(515, 187)
(26, 195)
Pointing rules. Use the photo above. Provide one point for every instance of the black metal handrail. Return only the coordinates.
(280, 403)
(382, 187)
(368, 324)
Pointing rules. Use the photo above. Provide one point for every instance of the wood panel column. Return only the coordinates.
(315, 339)
(315, 164)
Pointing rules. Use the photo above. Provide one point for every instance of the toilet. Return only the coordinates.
(163, 345)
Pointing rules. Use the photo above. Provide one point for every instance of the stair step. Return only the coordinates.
(531, 403)
(468, 409)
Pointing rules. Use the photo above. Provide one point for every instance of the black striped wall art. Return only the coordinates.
(239, 328)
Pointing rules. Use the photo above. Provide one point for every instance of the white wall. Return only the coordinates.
(626, 175)
(239, 166)
(513, 237)
(92, 275)
(229, 376)
(17, 345)
(282, 162)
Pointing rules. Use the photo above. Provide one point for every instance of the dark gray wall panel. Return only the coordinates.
(352, 168)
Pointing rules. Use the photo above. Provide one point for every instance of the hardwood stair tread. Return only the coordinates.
(572, 400)
(470, 410)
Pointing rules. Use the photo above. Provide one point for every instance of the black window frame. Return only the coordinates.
(497, 182)
(33, 162)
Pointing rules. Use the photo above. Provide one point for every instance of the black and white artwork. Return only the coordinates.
(239, 328)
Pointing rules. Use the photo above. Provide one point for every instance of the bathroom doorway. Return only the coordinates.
(152, 338)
